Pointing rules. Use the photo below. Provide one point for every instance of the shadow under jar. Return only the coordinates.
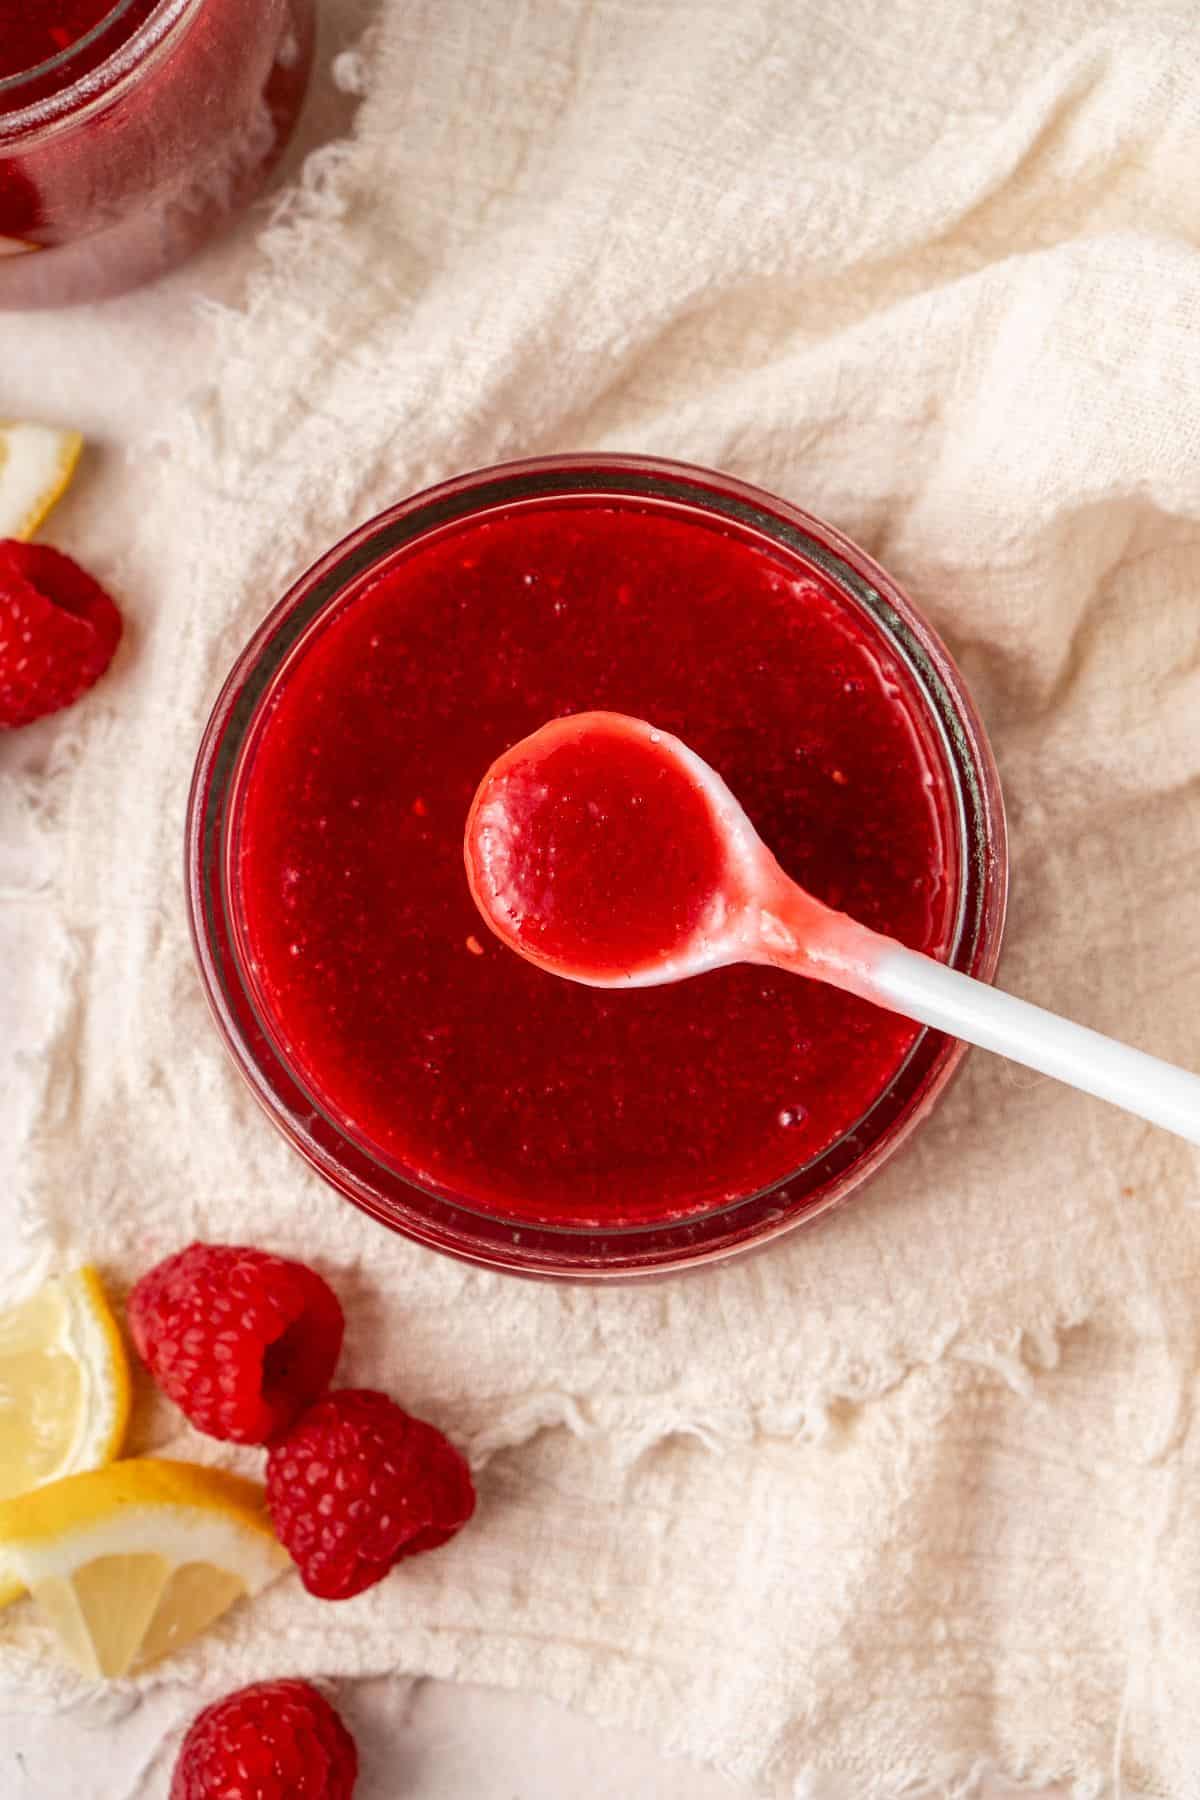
(446, 1086)
(130, 131)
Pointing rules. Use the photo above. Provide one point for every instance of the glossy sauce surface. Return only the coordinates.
(431, 1042)
(590, 850)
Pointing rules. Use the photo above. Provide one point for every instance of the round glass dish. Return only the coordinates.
(429, 1210)
(123, 152)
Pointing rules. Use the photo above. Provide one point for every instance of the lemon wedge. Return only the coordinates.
(64, 1388)
(64, 1384)
(129, 1563)
(36, 466)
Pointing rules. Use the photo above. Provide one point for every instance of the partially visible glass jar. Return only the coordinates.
(121, 153)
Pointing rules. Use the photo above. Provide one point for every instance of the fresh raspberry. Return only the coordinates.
(58, 631)
(277, 1740)
(238, 1339)
(357, 1485)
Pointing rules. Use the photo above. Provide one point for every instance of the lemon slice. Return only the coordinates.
(64, 1384)
(131, 1562)
(36, 466)
(64, 1388)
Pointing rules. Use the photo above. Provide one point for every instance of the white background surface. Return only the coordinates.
(425, 1740)
(420, 1741)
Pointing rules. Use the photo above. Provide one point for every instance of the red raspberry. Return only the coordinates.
(238, 1339)
(357, 1485)
(58, 631)
(277, 1740)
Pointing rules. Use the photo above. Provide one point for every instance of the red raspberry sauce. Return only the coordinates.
(595, 852)
(451, 1057)
(32, 31)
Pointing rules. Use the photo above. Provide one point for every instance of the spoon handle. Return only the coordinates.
(906, 982)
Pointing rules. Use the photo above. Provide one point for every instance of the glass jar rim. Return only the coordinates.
(454, 1225)
(108, 75)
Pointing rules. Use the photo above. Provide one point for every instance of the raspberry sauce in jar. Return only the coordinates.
(34, 31)
(479, 1098)
(130, 129)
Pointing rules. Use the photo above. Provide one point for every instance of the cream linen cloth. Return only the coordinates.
(916, 1491)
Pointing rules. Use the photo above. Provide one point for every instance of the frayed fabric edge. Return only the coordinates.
(633, 1426)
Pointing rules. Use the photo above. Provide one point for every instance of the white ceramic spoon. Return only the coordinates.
(605, 851)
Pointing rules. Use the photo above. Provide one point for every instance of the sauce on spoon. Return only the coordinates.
(606, 851)
(593, 854)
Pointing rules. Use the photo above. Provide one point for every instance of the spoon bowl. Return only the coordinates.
(604, 850)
